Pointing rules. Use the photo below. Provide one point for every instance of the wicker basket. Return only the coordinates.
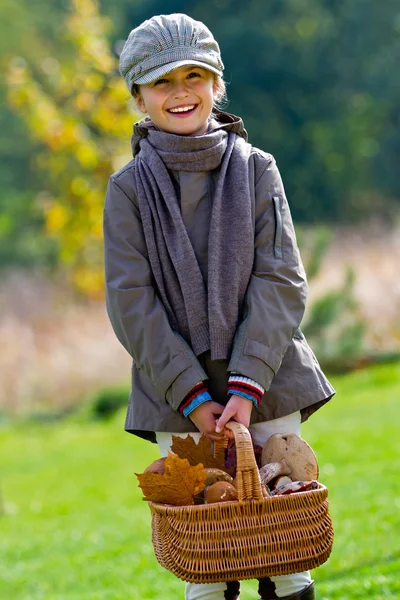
(253, 538)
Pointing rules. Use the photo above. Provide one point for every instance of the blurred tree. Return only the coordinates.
(76, 108)
(22, 31)
(314, 82)
(312, 79)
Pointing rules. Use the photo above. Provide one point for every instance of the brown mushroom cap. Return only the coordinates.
(221, 491)
(298, 455)
(214, 475)
(157, 466)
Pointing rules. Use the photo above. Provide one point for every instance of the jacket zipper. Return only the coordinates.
(278, 228)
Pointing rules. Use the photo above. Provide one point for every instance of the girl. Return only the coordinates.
(205, 286)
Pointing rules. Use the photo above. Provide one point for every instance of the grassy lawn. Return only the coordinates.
(73, 525)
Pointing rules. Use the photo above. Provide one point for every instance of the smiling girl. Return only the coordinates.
(205, 285)
(180, 102)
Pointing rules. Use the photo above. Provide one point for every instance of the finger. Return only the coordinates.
(225, 432)
(224, 418)
(228, 433)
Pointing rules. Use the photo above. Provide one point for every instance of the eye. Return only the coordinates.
(193, 74)
(162, 80)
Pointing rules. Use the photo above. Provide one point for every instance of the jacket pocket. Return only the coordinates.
(278, 227)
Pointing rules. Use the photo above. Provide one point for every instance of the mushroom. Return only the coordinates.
(294, 455)
(295, 486)
(158, 466)
(281, 481)
(221, 491)
(272, 470)
(213, 476)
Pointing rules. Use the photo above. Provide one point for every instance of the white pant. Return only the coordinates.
(285, 585)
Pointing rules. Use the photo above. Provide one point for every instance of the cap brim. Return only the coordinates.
(167, 68)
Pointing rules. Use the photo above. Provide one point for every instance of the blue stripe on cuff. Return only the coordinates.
(244, 395)
(199, 399)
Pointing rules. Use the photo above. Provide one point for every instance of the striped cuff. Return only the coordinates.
(246, 387)
(194, 398)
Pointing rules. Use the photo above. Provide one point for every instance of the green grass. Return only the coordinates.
(74, 526)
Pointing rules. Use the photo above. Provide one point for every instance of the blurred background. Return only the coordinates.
(316, 83)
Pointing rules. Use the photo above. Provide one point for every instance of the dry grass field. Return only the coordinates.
(374, 253)
(54, 350)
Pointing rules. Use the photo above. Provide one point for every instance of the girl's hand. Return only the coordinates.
(237, 409)
(204, 417)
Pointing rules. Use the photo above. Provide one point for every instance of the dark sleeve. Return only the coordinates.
(136, 313)
(276, 296)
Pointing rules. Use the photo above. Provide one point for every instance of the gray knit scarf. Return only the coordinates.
(206, 318)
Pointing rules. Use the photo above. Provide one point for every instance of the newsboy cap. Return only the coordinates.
(164, 43)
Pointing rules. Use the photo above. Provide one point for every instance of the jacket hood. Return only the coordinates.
(219, 120)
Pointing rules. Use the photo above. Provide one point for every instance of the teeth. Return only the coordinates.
(182, 109)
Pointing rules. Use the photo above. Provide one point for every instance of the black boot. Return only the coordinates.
(232, 590)
(266, 589)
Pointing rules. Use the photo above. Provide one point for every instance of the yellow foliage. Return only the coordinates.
(88, 281)
(79, 186)
(97, 229)
(93, 82)
(80, 113)
(84, 101)
(86, 153)
(57, 218)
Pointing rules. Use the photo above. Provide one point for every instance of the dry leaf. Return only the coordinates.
(200, 453)
(177, 486)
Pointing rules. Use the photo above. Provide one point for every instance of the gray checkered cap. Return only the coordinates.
(164, 43)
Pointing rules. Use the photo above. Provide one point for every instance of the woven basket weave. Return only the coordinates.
(253, 538)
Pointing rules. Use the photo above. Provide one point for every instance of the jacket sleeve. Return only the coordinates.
(275, 299)
(136, 313)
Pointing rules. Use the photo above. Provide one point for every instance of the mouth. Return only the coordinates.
(183, 110)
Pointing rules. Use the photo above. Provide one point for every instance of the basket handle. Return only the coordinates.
(248, 482)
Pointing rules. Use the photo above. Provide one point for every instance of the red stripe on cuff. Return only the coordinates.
(244, 387)
(198, 389)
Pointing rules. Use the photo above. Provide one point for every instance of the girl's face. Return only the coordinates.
(181, 101)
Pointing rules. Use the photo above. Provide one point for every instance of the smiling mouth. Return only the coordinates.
(182, 110)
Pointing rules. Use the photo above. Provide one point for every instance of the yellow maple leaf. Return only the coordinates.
(180, 482)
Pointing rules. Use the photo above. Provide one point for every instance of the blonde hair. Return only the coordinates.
(220, 96)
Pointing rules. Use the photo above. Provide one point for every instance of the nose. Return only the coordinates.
(180, 90)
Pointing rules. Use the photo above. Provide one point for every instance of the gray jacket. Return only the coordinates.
(268, 347)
